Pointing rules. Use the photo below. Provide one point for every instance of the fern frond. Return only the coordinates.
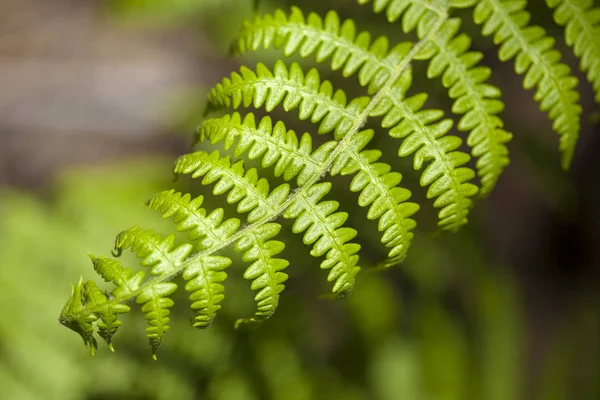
(582, 23)
(446, 179)
(274, 143)
(323, 227)
(475, 99)
(378, 187)
(293, 89)
(538, 60)
(386, 73)
(159, 254)
(424, 135)
(265, 271)
(126, 282)
(205, 276)
(156, 305)
(252, 195)
(281, 146)
(108, 312)
(164, 260)
(190, 217)
(327, 37)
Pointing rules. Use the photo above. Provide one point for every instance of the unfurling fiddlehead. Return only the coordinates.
(305, 197)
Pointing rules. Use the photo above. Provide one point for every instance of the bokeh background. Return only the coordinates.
(97, 98)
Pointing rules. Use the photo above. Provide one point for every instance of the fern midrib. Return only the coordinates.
(539, 55)
(343, 145)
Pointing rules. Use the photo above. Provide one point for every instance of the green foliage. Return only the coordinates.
(310, 203)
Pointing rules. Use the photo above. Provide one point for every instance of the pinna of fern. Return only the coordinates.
(305, 197)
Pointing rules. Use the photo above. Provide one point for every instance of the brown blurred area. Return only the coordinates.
(75, 87)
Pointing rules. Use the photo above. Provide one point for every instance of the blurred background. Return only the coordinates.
(97, 98)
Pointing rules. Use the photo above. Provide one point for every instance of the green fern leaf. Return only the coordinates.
(314, 99)
(209, 230)
(265, 271)
(108, 312)
(204, 276)
(328, 37)
(476, 100)
(127, 283)
(378, 187)
(252, 195)
(155, 252)
(323, 227)
(275, 144)
(538, 60)
(389, 202)
(425, 136)
(582, 24)
(386, 74)
(156, 304)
